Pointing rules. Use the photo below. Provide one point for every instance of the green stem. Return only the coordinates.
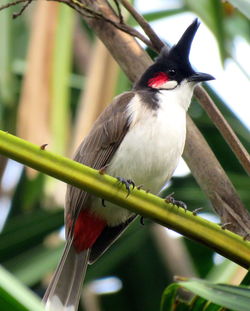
(224, 242)
(61, 70)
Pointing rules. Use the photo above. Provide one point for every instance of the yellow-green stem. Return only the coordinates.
(224, 242)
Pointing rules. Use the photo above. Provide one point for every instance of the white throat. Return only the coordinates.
(180, 95)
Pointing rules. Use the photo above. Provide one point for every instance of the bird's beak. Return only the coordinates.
(200, 77)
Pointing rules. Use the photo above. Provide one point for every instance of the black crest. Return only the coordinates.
(174, 62)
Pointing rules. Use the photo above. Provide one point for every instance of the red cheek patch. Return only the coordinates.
(159, 79)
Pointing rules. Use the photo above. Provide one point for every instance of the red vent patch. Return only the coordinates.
(159, 79)
(87, 229)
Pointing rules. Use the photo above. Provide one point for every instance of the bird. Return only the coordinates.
(140, 137)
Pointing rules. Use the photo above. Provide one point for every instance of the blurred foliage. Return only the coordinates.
(214, 297)
(29, 242)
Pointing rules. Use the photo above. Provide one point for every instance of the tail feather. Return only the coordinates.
(63, 293)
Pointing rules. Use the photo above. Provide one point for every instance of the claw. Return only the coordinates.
(195, 211)
(103, 203)
(170, 199)
(130, 181)
(127, 183)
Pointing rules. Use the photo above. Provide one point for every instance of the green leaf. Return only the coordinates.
(27, 231)
(14, 296)
(246, 280)
(171, 301)
(242, 5)
(233, 297)
(197, 303)
(212, 307)
(31, 266)
(169, 297)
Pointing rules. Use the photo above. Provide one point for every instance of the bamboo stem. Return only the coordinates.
(223, 241)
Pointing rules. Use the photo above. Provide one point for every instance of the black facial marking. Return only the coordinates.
(174, 62)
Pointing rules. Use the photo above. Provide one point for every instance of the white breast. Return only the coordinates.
(151, 150)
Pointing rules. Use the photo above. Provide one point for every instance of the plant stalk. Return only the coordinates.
(224, 242)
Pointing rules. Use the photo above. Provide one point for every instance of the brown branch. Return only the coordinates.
(119, 11)
(82, 9)
(156, 41)
(224, 128)
(213, 181)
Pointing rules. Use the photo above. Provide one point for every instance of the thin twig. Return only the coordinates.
(119, 11)
(7, 5)
(73, 5)
(156, 41)
(82, 9)
(225, 129)
(15, 15)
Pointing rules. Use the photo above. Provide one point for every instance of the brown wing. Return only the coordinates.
(97, 150)
(107, 238)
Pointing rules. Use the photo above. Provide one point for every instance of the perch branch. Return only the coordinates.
(139, 201)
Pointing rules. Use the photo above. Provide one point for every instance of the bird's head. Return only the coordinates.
(172, 67)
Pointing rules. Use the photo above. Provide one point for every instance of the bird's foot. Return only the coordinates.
(127, 183)
(171, 199)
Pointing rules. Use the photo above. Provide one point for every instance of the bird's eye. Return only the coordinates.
(171, 73)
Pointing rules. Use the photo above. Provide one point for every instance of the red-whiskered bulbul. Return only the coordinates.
(140, 137)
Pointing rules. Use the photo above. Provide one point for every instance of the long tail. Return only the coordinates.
(63, 293)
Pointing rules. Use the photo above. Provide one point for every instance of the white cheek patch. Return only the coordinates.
(169, 85)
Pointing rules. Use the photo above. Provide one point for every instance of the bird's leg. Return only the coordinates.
(142, 220)
(127, 183)
(171, 199)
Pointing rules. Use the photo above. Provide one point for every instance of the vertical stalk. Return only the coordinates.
(61, 69)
